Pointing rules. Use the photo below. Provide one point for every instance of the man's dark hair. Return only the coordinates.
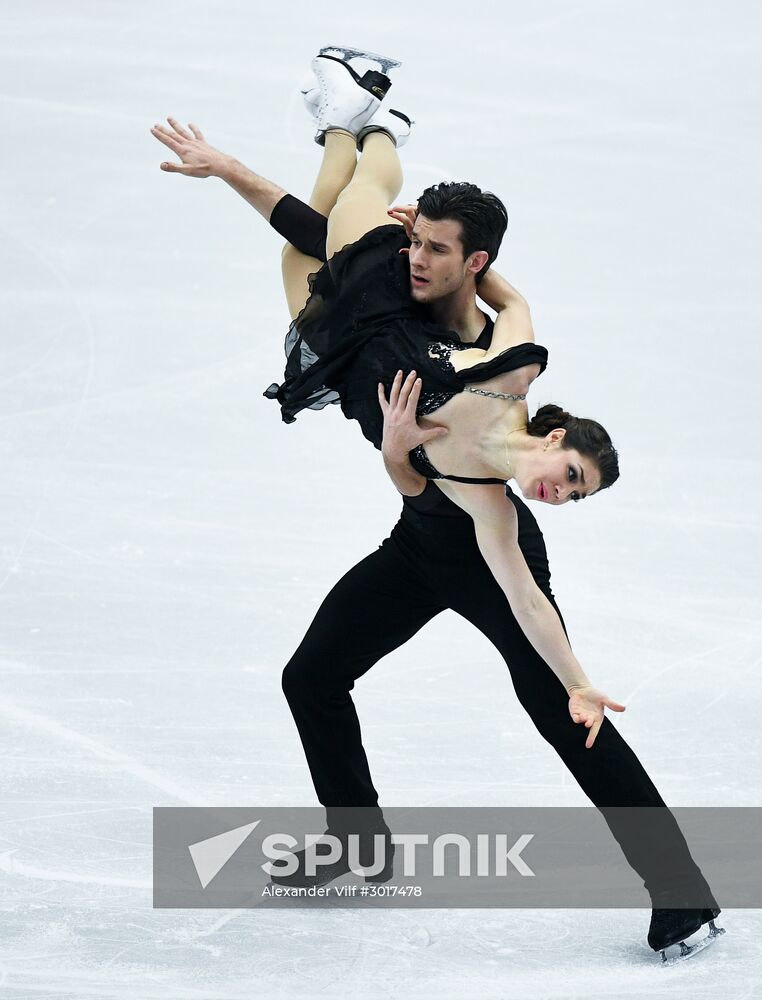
(482, 216)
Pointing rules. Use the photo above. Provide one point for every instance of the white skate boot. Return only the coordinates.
(346, 99)
(396, 125)
(311, 97)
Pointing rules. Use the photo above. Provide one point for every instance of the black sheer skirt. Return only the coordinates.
(358, 328)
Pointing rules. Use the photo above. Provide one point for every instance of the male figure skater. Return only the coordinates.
(431, 560)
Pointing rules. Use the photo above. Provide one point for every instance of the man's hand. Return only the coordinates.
(402, 432)
(586, 706)
(199, 159)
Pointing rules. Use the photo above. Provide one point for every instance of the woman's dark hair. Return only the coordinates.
(482, 216)
(586, 436)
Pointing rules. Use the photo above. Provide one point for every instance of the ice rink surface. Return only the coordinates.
(165, 539)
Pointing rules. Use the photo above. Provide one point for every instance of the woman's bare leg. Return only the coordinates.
(364, 202)
(336, 172)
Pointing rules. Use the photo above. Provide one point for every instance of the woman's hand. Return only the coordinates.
(586, 706)
(402, 432)
(199, 159)
(406, 214)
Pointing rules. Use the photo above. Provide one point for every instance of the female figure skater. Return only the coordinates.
(360, 318)
(364, 319)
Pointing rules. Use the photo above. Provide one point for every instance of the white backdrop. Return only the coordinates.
(165, 540)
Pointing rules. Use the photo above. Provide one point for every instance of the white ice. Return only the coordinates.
(165, 540)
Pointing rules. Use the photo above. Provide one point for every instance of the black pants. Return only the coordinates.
(429, 564)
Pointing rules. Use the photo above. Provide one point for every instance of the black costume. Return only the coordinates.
(360, 326)
(430, 561)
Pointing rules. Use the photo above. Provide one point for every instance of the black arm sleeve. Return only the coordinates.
(302, 226)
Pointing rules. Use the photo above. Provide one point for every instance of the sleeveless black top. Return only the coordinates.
(506, 361)
(360, 326)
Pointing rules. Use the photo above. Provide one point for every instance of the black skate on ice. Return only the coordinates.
(325, 873)
(670, 927)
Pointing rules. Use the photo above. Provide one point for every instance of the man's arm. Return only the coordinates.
(408, 482)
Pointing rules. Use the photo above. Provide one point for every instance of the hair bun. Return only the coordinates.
(587, 436)
(547, 418)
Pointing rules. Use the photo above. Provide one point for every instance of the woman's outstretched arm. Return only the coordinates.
(199, 159)
(496, 525)
(513, 326)
(304, 226)
(298, 223)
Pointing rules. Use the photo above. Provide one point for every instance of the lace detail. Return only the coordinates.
(430, 401)
(442, 353)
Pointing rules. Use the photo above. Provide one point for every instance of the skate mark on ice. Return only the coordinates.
(11, 866)
(121, 761)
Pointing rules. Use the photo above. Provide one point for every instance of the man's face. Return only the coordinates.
(437, 267)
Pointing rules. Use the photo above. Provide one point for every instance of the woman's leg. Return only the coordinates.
(336, 172)
(301, 226)
(364, 202)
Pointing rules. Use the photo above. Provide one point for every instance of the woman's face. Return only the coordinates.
(554, 474)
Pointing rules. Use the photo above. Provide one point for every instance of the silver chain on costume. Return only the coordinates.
(495, 395)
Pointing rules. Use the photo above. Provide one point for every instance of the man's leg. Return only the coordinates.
(609, 773)
(375, 608)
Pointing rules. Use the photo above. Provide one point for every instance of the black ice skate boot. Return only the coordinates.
(370, 854)
(347, 100)
(671, 925)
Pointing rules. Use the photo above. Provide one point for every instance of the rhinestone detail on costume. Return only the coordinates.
(431, 401)
(423, 458)
(494, 395)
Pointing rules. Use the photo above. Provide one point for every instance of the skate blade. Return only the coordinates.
(689, 950)
(346, 53)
